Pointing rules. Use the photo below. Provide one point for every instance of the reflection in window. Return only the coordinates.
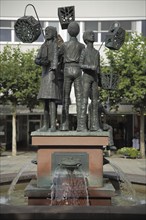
(5, 23)
(16, 39)
(144, 28)
(54, 24)
(103, 35)
(106, 25)
(91, 25)
(5, 30)
(40, 38)
(127, 25)
(5, 35)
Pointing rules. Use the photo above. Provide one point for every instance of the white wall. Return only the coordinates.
(98, 9)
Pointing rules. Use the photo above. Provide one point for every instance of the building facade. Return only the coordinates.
(95, 15)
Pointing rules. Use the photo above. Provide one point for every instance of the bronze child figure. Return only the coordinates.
(90, 64)
(71, 51)
(47, 57)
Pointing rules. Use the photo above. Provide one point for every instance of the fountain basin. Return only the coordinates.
(111, 212)
(72, 212)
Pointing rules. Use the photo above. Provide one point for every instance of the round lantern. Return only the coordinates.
(27, 28)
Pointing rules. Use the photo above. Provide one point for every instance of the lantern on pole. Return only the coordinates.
(109, 80)
(115, 37)
(27, 28)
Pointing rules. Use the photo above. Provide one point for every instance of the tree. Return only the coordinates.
(19, 82)
(129, 62)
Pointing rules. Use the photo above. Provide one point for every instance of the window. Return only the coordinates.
(92, 26)
(41, 37)
(144, 28)
(5, 30)
(101, 28)
(54, 24)
(106, 25)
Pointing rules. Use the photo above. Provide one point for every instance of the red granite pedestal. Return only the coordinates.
(87, 147)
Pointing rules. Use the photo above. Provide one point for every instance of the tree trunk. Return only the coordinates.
(14, 142)
(142, 142)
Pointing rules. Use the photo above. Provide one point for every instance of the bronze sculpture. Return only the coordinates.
(71, 51)
(47, 57)
(90, 64)
(104, 126)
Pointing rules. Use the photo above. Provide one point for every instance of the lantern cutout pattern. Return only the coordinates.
(27, 28)
(115, 37)
(66, 15)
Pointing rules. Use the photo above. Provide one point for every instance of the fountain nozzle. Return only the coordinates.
(70, 163)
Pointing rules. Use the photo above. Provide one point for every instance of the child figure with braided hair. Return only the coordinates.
(47, 57)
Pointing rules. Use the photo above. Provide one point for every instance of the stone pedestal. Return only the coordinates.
(86, 146)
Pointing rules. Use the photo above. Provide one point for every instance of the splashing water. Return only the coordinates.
(15, 180)
(127, 192)
(86, 187)
(68, 186)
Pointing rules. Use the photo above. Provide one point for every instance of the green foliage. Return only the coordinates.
(19, 78)
(129, 62)
(129, 151)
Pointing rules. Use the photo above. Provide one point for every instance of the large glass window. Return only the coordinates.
(5, 30)
(101, 28)
(41, 37)
(106, 25)
(54, 24)
(144, 28)
(7, 33)
(92, 26)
